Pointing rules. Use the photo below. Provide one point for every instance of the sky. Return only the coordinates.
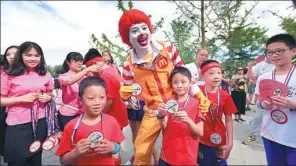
(60, 27)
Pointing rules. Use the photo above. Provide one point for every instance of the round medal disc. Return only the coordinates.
(35, 146)
(95, 138)
(48, 145)
(172, 106)
(215, 138)
(137, 89)
(54, 139)
(279, 116)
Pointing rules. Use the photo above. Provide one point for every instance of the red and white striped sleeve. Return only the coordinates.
(174, 54)
(127, 74)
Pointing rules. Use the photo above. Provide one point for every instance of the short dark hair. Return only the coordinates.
(76, 56)
(5, 62)
(207, 62)
(92, 53)
(18, 67)
(182, 70)
(90, 81)
(288, 39)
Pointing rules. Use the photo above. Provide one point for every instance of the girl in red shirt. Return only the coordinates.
(93, 137)
(215, 147)
(181, 122)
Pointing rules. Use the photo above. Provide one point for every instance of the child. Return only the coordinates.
(278, 134)
(93, 137)
(25, 88)
(69, 81)
(217, 141)
(182, 130)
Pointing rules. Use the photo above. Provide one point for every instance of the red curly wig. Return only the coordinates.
(128, 19)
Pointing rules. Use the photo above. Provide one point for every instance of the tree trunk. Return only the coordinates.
(203, 33)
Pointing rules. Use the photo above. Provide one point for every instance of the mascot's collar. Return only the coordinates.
(156, 47)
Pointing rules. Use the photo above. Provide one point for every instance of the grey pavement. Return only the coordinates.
(240, 154)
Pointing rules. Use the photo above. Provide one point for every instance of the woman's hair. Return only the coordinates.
(71, 56)
(18, 67)
(5, 62)
(246, 70)
(111, 58)
(92, 53)
(90, 81)
(1, 60)
(182, 70)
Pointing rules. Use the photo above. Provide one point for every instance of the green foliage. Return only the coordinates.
(55, 70)
(289, 25)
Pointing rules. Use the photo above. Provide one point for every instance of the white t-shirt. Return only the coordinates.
(195, 73)
(262, 68)
(281, 133)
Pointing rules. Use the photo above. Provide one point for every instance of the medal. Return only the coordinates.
(95, 138)
(35, 146)
(137, 89)
(48, 145)
(279, 116)
(172, 106)
(215, 138)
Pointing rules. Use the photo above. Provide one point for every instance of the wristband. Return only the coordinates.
(259, 105)
(117, 148)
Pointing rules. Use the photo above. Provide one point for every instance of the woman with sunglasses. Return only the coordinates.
(238, 94)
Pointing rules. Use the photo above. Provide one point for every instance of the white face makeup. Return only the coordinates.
(140, 36)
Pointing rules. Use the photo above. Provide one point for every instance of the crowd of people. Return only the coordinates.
(155, 92)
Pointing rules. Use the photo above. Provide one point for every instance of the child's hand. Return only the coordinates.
(267, 105)
(82, 147)
(162, 110)
(223, 152)
(283, 102)
(105, 147)
(182, 116)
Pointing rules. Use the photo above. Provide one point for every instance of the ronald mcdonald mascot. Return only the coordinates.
(147, 68)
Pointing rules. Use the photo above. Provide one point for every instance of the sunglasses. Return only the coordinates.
(240, 69)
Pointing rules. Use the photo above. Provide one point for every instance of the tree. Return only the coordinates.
(104, 43)
(180, 34)
(54, 70)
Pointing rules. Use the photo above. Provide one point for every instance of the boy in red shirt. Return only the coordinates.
(183, 127)
(215, 147)
(93, 137)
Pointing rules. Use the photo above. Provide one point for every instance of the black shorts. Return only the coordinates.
(63, 120)
(136, 115)
(18, 138)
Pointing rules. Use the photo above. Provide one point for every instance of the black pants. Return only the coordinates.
(34, 160)
(162, 163)
(239, 98)
(63, 120)
(3, 116)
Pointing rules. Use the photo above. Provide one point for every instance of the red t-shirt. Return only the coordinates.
(111, 131)
(227, 107)
(179, 146)
(118, 108)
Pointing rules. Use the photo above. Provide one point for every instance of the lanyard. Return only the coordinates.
(78, 124)
(188, 97)
(288, 77)
(218, 107)
(34, 118)
(51, 118)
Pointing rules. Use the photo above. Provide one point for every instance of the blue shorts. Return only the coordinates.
(207, 156)
(136, 115)
(277, 154)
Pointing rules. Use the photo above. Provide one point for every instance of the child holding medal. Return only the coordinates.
(217, 141)
(181, 122)
(279, 118)
(21, 92)
(93, 137)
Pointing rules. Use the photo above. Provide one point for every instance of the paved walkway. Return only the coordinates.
(240, 154)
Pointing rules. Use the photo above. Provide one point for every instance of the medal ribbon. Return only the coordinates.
(217, 110)
(289, 75)
(188, 97)
(34, 118)
(78, 124)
